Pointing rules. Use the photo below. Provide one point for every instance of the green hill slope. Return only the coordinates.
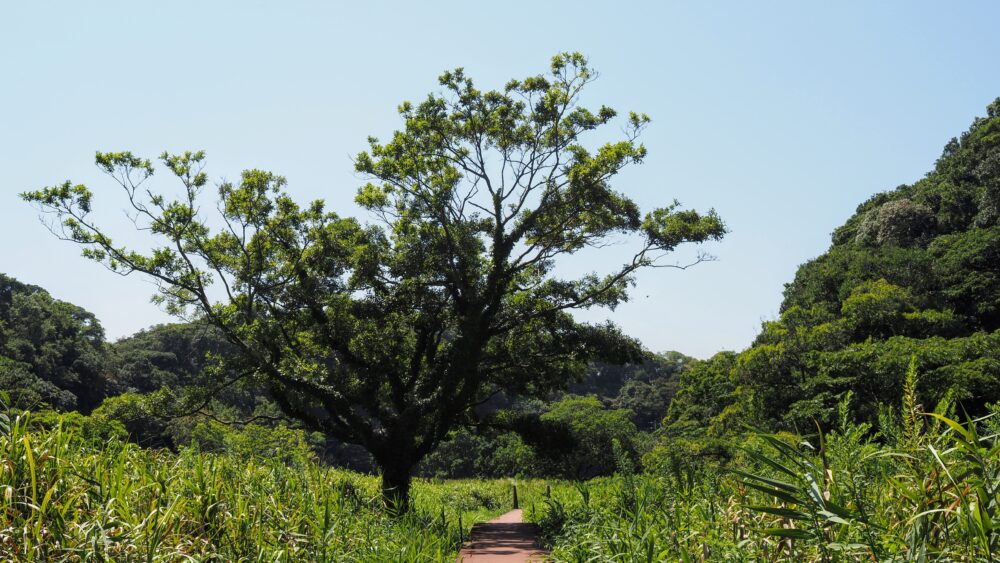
(51, 352)
(914, 273)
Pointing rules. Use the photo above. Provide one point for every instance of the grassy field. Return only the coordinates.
(932, 495)
(62, 499)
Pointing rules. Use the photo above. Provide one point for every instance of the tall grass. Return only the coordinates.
(925, 488)
(931, 495)
(63, 498)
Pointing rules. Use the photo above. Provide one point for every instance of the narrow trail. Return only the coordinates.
(507, 539)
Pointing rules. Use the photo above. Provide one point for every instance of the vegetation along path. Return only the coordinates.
(503, 540)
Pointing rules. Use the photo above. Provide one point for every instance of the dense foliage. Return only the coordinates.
(566, 435)
(51, 352)
(915, 272)
(174, 356)
(162, 386)
(166, 381)
(643, 388)
(930, 492)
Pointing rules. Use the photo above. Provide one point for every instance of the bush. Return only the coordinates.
(592, 429)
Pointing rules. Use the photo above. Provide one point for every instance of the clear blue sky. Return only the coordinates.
(784, 116)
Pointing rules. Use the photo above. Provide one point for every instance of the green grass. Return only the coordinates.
(62, 499)
(838, 497)
(931, 493)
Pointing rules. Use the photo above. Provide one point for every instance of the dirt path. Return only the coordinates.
(507, 539)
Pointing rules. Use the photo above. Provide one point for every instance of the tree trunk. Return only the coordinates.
(396, 484)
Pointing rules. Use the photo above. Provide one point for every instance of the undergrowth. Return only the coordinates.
(64, 497)
(927, 489)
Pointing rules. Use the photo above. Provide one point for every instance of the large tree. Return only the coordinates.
(386, 335)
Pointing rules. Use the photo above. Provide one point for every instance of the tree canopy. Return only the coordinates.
(52, 353)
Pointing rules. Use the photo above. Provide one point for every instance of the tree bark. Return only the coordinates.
(396, 484)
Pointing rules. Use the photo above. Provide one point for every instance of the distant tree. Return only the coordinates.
(387, 335)
(650, 388)
(141, 416)
(968, 265)
(26, 390)
(593, 432)
(900, 222)
(704, 392)
(877, 308)
(52, 353)
(171, 355)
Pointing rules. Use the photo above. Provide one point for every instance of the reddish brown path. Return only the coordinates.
(507, 539)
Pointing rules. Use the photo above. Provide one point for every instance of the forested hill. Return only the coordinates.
(914, 273)
(51, 352)
(54, 354)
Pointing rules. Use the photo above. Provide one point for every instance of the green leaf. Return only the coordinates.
(793, 533)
